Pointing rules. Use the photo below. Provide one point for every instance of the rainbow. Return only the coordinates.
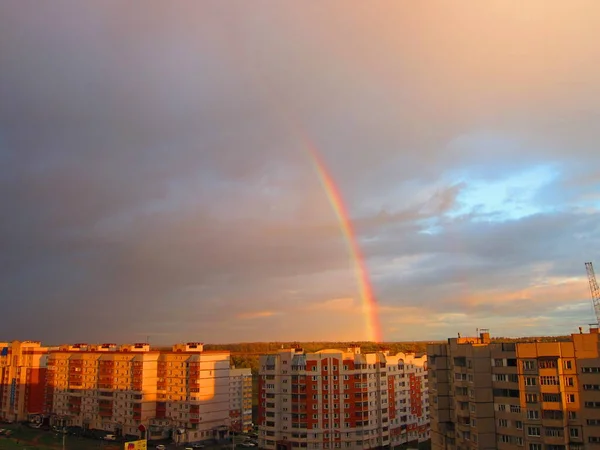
(370, 309)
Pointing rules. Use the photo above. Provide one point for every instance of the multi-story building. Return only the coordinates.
(409, 409)
(240, 399)
(134, 390)
(508, 395)
(22, 379)
(341, 399)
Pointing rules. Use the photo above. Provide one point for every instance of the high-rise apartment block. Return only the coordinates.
(515, 395)
(240, 399)
(22, 379)
(135, 390)
(342, 399)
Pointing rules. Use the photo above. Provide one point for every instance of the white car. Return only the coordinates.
(160, 447)
(110, 437)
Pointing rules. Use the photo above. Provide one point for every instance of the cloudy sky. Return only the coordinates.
(156, 181)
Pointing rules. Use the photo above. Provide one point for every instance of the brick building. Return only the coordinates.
(22, 379)
(240, 399)
(341, 399)
(515, 395)
(181, 393)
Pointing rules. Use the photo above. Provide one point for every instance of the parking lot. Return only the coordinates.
(26, 438)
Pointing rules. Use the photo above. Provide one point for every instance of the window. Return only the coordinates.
(533, 431)
(547, 364)
(519, 425)
(551, 397)
(552, 414)
(549, 381)
(569, 381)
(590, 369)
(515, 409)
(574, 432)
(533, 414)
(554, 432)
(535, 446)
(498, 362)
(568, 364)
(570, 398)
(572, 415)
(531, 381)
(504, 438)
(503, 423)
(531, 398)
(529, 365)
(591, 387)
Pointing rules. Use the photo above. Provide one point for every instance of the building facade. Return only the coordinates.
(240, 400)
(530, 395)
(133, 390)
(22, 379)
(341, 399)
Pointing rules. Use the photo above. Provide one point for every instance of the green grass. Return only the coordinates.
(25, 438)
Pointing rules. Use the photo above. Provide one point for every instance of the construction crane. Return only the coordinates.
(594, 289)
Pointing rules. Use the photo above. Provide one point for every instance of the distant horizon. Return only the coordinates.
(292, 342)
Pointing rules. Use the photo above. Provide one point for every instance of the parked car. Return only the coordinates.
(110, 437)
(198, 445)
(160, 447)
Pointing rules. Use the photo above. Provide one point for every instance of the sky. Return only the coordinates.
(157, 182)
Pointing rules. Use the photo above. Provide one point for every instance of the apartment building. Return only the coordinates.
(22, 379)
(531, 395)
(341, 399)
(135, 390)
(240, 400)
